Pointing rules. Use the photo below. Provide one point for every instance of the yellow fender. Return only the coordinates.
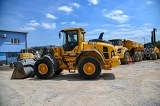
(90, 52)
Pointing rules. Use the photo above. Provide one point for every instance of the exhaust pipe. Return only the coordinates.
(23, 69)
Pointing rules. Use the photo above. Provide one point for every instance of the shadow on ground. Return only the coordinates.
(77, 77)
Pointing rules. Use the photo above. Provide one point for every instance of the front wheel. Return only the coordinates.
(89, 67)
(153, 56)
(136, 57)
(44, 68)
(125, 59)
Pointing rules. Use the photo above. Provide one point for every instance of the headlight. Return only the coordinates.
(112, 53)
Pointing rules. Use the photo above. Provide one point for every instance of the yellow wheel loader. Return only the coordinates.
(89, 58)
(151, 51)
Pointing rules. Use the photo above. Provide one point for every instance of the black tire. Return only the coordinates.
(153, 56)
(136, 57)
(59, 71)
(140, 56)
(124, 60)
(158, 55)
(50, 66)
(94, 61)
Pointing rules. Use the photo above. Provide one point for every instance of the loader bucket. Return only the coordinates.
(23, 69)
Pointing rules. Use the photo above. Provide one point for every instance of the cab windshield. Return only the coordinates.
(70, 40)
(148, 45)
(115, 42)
(26, 51)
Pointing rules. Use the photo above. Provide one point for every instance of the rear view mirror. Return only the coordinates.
(59, 34)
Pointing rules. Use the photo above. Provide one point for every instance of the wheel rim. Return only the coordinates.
(137, 57)
(43, 68)
(128, 59)
(89, 68)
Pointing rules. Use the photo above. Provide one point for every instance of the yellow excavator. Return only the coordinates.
(89, 58)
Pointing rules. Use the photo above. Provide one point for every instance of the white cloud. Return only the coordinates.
(97, 31)
(72, 23)
(117, 15)
(134, 33)
(94, 2)
(147, 24)
(114, 25)
(33, 23)
(78, 24)
(65, 9)
(75, 5)
(30, 26)
(107, 25)
(82, 24)
(50, 16)
(63, 23)
(27, 28)
(124, 25)
(94, 34)
(49, 25)
(149, 2)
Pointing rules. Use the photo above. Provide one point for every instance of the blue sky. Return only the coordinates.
(43, 19)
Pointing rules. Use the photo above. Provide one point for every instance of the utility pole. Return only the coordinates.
(144, 40)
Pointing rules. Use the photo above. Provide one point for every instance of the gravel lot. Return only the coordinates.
(126, 85)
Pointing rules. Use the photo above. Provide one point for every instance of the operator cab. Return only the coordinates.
(70, 39)
(149, 45)
(116, 42)
(26, 50)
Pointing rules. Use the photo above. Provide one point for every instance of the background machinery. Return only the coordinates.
(88, 57)
(26, 53)
(151, 51)
(127, 50)
(120, 51)
(135, 49)
(24, 65)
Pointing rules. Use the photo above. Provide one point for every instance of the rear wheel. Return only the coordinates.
(140, 56)
(153, 56)
(44, 68)
(136, 57)
(89, 67)
(125, 58)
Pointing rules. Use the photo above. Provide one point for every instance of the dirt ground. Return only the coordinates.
(126, 85)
